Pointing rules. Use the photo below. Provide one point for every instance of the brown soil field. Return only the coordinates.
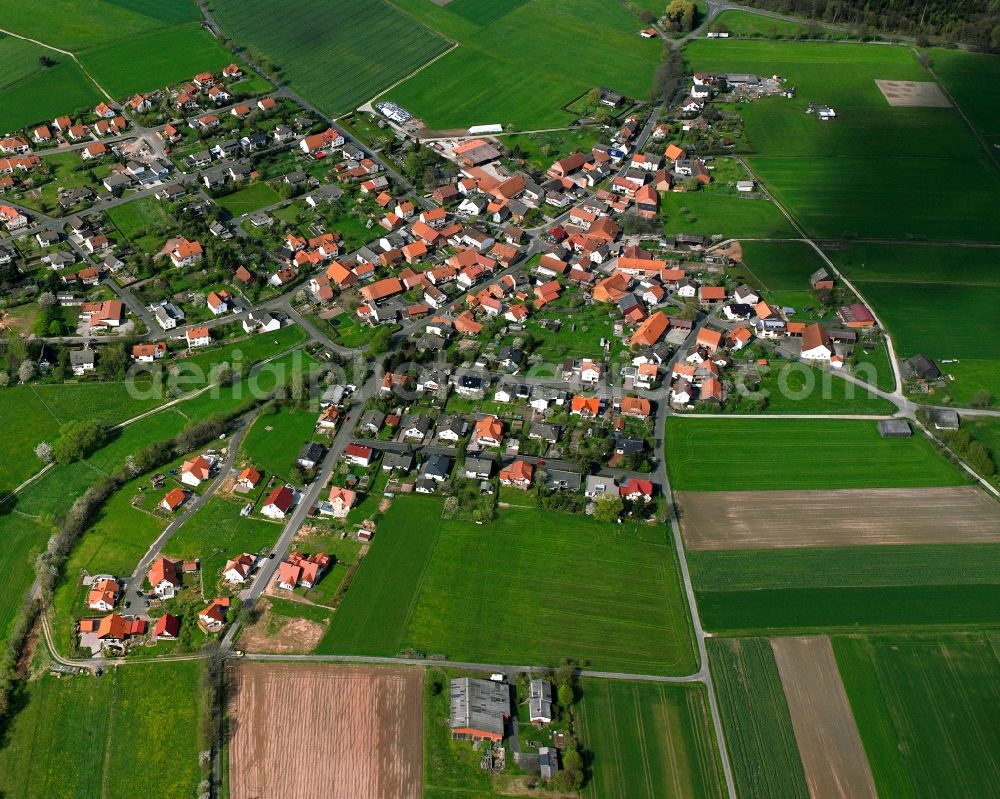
(326, 732)
(913, 93)
(833, 757)
(849, 517)
(279, 635)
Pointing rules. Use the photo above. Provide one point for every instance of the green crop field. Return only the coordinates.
(72, 25)
(767, 454)
(217, 533)
(86, 736)
(610, 596)
(273, 442)
(526, 82)
(782, 269)
(153, 60)
(19, 60)
(973, 80)
(909, 284)
(755, 718)
(368, 43)
(746, 23)
(62, 89)
(252, 198)
(648, 741)
(928, 711)
(802, 590)
(865, 173)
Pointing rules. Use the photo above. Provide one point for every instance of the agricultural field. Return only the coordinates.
(927, 711)
(649, 741)
(109, 737)
(273, 443)
(431, 601)
(746, 592)
(252, 198)
(763, 519)
(748, 24)
(304, 37)
(771, 454)
(971, 79)
(217, 533)
(781, 269)
(357, 731)
(709, 213)
(755, 718)
(793, 387)
(525, 84)
(906, 284)
(156, 59)
(23, 539)
(833, 758)
(855, 175)
(62, 89)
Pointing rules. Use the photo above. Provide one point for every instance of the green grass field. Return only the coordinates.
(62, 89)
(252, 198)
(802, 590)
(648, 741)
(217, 533)
(767, 454)
(793, 387)
(23, 538)
(782, 270)
(864, 173)
(86, 736)
(928, 711)
(273, 443)
(972, 79)
(156, 59)
(907, 285)
(435, 586)
(755, 719)
(525, 83)
(709, 213)
(19, 60)
(746, 23)
(369, 40)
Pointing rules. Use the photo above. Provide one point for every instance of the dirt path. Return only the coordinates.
(852, 517)
(833, 758)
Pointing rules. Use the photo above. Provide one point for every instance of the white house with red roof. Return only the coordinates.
(278, 502)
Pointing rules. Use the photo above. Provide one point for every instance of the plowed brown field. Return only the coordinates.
(326, 732)
(851, 517)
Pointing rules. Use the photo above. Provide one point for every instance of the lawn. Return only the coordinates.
(273, 443)
(304, 37)
(792, 387)
(131, 732)
(217, 533)
(252, 198)
(539, 150)
(525, 84)
(907, 285)
(865, 173)
(156, 59)
(648, 741)
(928, 711)
(755, 719)
(768, 454)
(619, 606)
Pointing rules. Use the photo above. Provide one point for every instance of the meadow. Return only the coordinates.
(217, 533)
(709, 213)
(865, 173)
(252, 198)
(758, 729)
(369, 43)
(619, 607)
(130, 732)
(793, 387)
(273, 443)
(524, 84)
(746, 23)
(973, 80)
(782, 269)
(958, 288)
(767, 454)
(159, 58)
(648, 741)
(23, 539)
(62, 89)
(928, 711)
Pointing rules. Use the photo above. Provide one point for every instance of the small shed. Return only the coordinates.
(944, 419)
(894, 428)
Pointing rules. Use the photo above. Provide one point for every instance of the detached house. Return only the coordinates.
(164, 578)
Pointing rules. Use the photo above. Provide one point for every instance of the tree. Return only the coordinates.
(26, 371)
(983, 399)
(44, 452)
(565, 695)
(380, 340)
(679, 15)
(608, 509)
(78, 438)
(4, 379)
(46, 299)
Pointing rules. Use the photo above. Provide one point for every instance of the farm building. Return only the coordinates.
(894, 428)
(944, 419)
(540, 702)
(479, 709)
